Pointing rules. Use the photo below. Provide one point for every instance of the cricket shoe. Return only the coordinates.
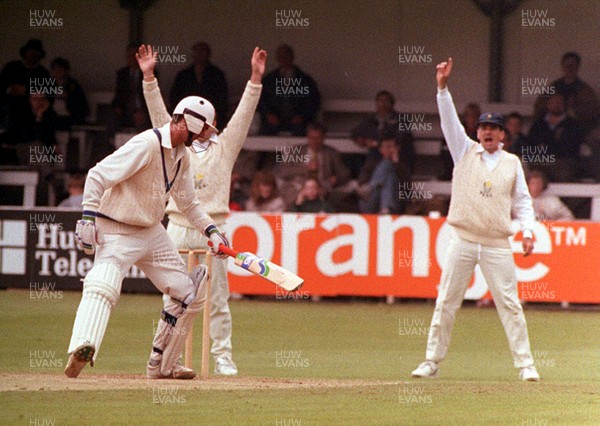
(529, 374)
(427, 369)
(225, 366)
(179, 371)
(79, 358)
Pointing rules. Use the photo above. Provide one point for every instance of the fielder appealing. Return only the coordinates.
(123, 204)
(212, 166)
(487, 183)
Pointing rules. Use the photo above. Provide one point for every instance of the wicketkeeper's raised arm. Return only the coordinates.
(456, 138)
(146, 58)
(239, 124)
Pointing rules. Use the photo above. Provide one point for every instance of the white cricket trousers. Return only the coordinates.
(498, 268)
(153, 252)
(220, 315)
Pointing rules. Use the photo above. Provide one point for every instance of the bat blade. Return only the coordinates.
(269, 270)
(264, 268)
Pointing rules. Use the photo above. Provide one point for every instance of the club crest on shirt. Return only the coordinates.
(487, 189)
(199, 181)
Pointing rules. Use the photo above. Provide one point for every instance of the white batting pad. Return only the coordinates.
(101, 289)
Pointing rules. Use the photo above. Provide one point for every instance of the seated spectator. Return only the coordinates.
(545, 206)
(16, 81)
(469, 118)
(202, 79)
(70, 105)
(75, 184)
(42, 122)
(129, 106)
(581, 101)
(382, 192)
(315, 159)
(264, 195)
(515, 139)
(385, 120)
(553, 143)
(310, 199)
(290, 98)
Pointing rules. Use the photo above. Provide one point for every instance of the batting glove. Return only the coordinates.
(85, 232)
(216, 238)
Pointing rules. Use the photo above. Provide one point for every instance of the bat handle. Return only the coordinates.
(224, 249)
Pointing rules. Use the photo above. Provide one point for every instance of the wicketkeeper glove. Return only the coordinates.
(85, 232)
(216, 238)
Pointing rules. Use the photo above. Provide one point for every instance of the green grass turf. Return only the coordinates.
(365, 341)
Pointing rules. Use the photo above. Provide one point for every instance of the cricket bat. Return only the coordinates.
(264, 268)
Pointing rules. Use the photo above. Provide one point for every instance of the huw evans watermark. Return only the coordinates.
(413, 395)
(169, 55)
(290, 154)
(42, 290)
(290, 359)
(413, 191)
(44, 19)
(413, 123)
(46, 86)
(537, 19)
(291, 19)
(412, 327)
(291, 87)
(44, 359)
(536, 86)
(413, 55)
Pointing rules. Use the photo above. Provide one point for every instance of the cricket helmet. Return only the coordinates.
(199, 114)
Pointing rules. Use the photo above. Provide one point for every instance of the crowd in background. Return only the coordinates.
(562, 143)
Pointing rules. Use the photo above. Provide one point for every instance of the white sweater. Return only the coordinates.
(129, 185)
(459, 143)
(212, 169)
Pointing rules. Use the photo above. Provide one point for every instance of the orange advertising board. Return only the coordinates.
(381, 255)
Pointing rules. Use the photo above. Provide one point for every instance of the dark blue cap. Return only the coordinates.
(492, 118)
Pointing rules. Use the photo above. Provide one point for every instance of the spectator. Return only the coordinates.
(290, 98)
(553, 143)
(310, 199)
(469, 119)
(385, 120)
(128, 104)
(264, 195)
(315, 159)
(42, 122)
(75, 184)
(580, 99)
(17, 80)
(70, 105)
(515, 139)
(202, 79)
(545, 206)
(382, 193)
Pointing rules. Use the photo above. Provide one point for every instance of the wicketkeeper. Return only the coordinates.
(211, 165)
(123, 204)
(488, 184)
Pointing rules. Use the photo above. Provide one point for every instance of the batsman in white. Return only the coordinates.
(123, 204)
(212, 165)
(487, 184)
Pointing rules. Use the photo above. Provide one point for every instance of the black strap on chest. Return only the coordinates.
(168, 185)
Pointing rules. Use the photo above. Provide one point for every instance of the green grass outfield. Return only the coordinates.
(302, 363)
